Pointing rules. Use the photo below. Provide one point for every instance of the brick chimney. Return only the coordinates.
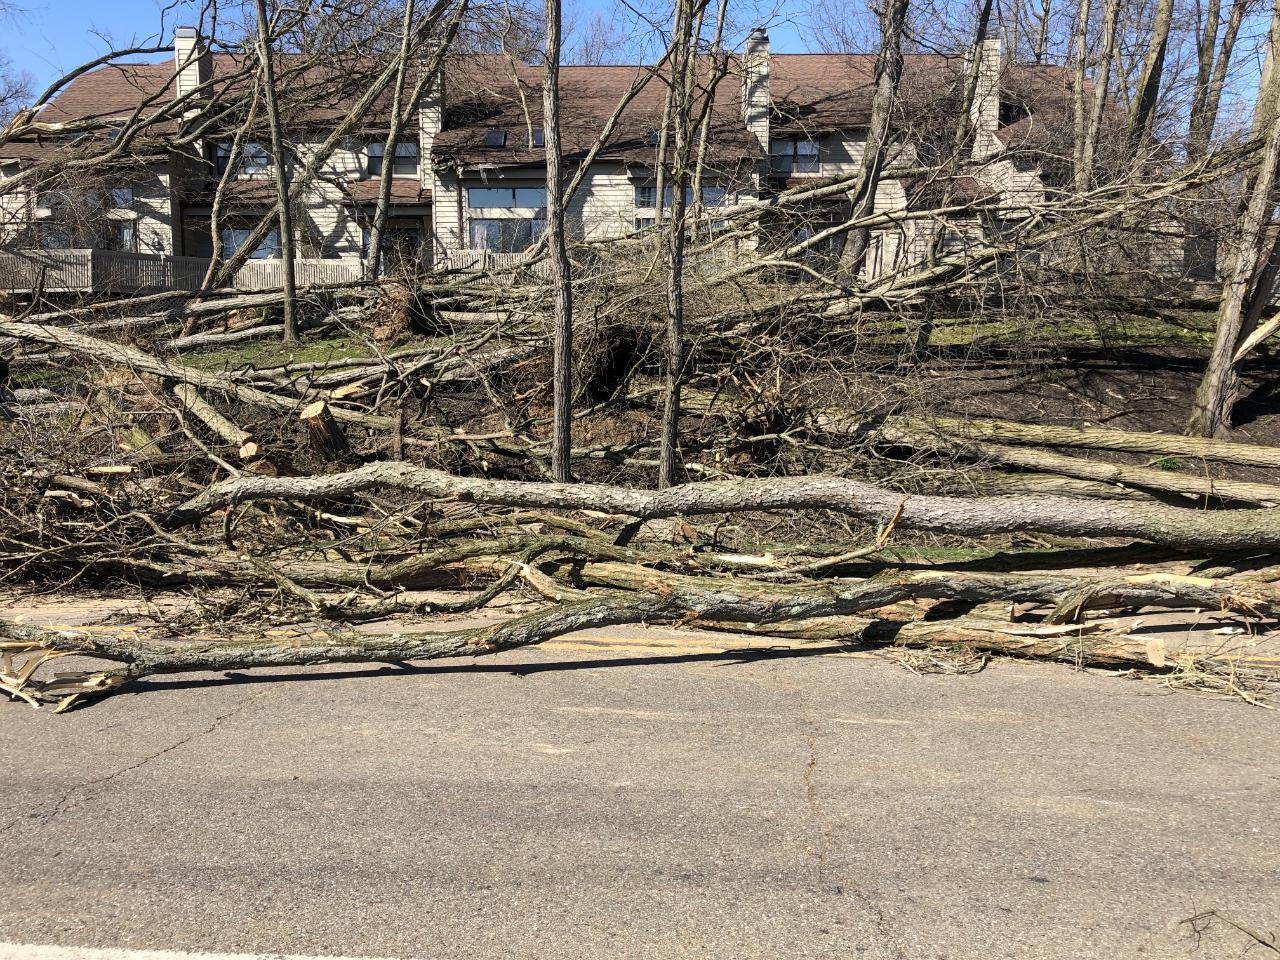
(191, 59)
(984, 114)
(755, 86)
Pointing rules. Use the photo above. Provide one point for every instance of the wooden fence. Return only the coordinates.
(105, 271)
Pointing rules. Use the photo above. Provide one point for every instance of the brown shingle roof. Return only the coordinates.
(492, 93)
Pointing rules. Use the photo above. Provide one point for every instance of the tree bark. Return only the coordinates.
(561, 277)
(215, 421)
(682, 63)
(1088, 147)
(1171, 526)
(327, 438)
(280, 166)
(888, 74)
(1143, 109)
(373, 266)
(1216, 396)
(646, 597)
(1211, 74)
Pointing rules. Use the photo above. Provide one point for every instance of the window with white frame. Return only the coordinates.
(647, 196)
(233, 238)
(508, 219)
(507, 198)
(254, 160)
(405, 163)
(788, 157)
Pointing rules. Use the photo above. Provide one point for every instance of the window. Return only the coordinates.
(406, 161)
(373, 159)
(505, 236)
(233, 238)
(401, 243)
(253, 161)
(523, 198)
(404, 165)
(644, 223)
(647, 196)
(652, 137)
(793, 156)
(495, 138)
(117, 198)
(538, 139)
(116, 235)
(55, 236)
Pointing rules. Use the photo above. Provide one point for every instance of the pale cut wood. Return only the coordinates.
(191, 399)
(327, 437)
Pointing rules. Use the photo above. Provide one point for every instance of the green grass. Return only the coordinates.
(1167, 463)
(272, 353)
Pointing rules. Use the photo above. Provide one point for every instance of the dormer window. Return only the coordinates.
(254, 159)
(495, 138)
(404, 165)
(537, 139)
(787, 157)
(652, 137)
(406, 162)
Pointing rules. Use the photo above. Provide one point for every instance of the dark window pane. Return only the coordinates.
(490, 197)
(373, 159)
(807, 157)
(531, 197)
(646, 196)
(406, 160)
(538, 139)
(505, 236)
(495, 138)
(255, 159)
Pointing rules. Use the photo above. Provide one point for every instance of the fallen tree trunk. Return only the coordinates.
(983, 516)
(918, 435)
(1096, 438)
(146, 363)
(211, 418)
(714, 602)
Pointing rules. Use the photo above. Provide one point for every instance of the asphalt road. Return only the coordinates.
(606, 799)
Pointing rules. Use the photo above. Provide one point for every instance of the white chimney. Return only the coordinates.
(430, 116)
(755, 86)
(191, 59)
(984, 114)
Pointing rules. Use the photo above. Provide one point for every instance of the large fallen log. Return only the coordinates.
(919, 435)
(648, 597)
(1097, 438)
(981, 516)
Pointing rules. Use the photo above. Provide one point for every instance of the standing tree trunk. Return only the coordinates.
(682, 62)
(561, 280)
(1143, 108)
(1081, 43)
(281, 173)
(220, 193)
(1216, 397)
(888, 74)
(1087, 146)
(1211, 74)
(373, 265)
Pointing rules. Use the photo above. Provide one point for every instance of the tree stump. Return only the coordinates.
(327, 437)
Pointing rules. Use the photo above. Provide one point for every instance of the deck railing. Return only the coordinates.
(106, 271)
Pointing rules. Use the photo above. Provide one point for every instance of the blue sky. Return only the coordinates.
(51, 37)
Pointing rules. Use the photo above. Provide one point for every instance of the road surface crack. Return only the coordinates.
(65, 804)
(809, 728)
